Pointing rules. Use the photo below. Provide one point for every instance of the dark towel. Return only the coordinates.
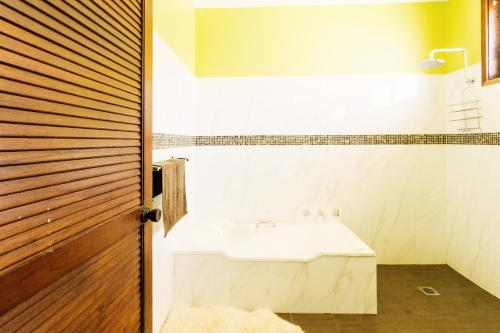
(174, 192)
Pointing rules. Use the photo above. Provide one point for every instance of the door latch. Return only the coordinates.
(148, 214)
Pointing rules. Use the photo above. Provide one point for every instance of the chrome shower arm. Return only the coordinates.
(466, 55)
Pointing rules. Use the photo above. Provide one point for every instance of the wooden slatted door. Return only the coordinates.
(74, 104)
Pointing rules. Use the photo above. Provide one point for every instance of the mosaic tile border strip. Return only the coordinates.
(161, 141)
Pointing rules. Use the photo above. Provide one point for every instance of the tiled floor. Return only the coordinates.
(462, 306)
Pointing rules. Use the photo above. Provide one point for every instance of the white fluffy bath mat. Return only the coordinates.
(183, 319)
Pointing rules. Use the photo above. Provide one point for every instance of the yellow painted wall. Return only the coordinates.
(463, 29)
(174, 20)
(317, 40)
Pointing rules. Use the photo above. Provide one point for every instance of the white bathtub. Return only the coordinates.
(301, 267)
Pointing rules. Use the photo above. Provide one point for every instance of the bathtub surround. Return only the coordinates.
(328, 284)
(165, 141)
(282, 265)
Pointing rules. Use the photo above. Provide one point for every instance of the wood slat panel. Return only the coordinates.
(133, 322)
(110, 8)
(125, 308)
(134, 9)
(81, 75)
(23, 225)
(22, 212)
(77, 16)
(128, 12)
(20, 240)
(32, 25)
(28, 157)
(34, 104)
(94, 297)
(13, 260)
(83, 285)
(80, 32)
(9, 29)
(116, 96)
(108, 28)
(133, 35)
(27, 197)
(88, 289)
(94, 270)
(39, 118)
(31, 86)
(128, 323)
(12, 144)
(22, 171)
(123, 304)
(97, 267)
(71, 165)
(136, 4)
(28, 90)
(27, 281)
(25, 184)
(38, 131)
(13, 73)
(123, 283)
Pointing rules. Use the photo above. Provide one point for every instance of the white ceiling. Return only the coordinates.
(279, 3)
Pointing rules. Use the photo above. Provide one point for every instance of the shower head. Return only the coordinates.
(432, 63)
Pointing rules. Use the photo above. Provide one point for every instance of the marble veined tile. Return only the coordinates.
(392, 197)
(473, 189)
(329, 284)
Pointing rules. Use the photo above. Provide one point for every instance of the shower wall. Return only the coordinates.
(473, 180)
(473, 191)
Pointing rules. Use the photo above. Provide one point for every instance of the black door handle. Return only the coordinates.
(150, 215)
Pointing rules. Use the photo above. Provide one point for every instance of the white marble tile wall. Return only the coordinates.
(389, 195)
(173, 112)
(473, 189)
(173, 92)
(392, 197)
(473, 216)
(343, 104)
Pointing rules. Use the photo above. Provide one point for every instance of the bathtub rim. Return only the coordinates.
(366, 251)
